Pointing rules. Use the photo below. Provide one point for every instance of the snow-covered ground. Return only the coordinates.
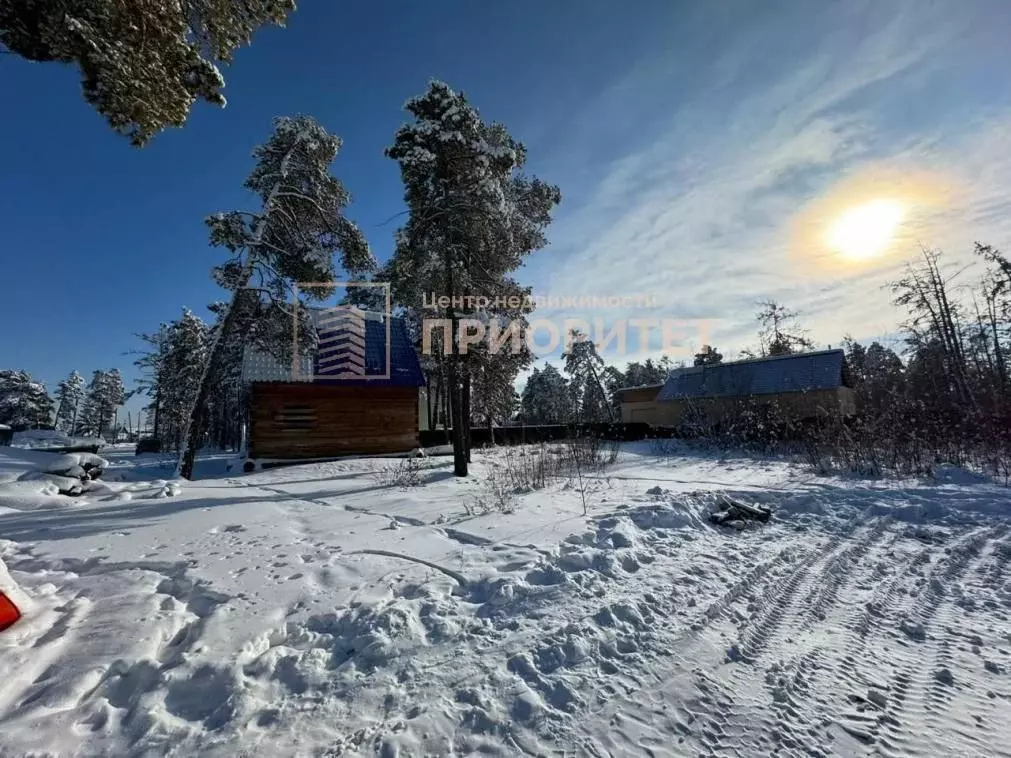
(318, 610)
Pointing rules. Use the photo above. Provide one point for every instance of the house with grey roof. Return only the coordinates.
(800, 386)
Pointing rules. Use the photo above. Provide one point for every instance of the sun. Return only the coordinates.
(866, 231)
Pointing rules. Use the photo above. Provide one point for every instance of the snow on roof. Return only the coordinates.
(757, 376)
(641, 387)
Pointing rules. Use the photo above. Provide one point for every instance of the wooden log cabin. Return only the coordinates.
(358, 394)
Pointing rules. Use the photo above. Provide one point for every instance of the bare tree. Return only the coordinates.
(780, 332)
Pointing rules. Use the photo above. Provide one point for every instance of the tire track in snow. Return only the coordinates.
(774, 609)
(802, 697)
(839, 674)
(740, 588)
(724, 723)
(888, 699)
(998, 573)
(687, 645)
(818, 574)
(924, 721)
(797, 717)
(795, 730)
(838, 572)
(706, 710)
(970, 703)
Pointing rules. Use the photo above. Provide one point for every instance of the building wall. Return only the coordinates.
(642, 410)
(793, 405)
(639, 403)
(296, 420)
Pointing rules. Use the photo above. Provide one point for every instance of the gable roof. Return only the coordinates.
(351, 352)
(760, 376)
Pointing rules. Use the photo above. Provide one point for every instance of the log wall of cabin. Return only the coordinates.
(293, 420)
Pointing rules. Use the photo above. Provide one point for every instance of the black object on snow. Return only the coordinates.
(736, 511)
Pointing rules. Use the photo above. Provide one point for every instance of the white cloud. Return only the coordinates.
(704, 211)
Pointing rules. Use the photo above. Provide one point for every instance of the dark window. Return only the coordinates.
(296, 418)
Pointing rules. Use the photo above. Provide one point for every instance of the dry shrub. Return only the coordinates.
(405, 473)
(533, 468)
(498, 496)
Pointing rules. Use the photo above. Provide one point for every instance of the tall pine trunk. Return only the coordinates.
(194, 427)
(157, 412)
(447, 407)
(458, 435)
(465, 399)
(433, 395)
(59, 408)
(456, 404)
(455, 389)
(456, 396)
(603, 394)
(73, 424)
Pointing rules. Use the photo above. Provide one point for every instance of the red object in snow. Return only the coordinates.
(9, 613)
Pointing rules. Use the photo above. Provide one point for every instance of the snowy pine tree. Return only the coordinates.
(473, 219)
(585, 369)
(545, 398)
(24, 402)
(493, 392)
(69, 394)
(173, 371)
(648, 372)
(144, 63)
(104, 396)
(227, 404)
(293, 238)
(149, 383)
(613, 380)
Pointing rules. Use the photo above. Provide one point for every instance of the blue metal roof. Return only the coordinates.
(761, 376)
(351, 353)
(404, 367)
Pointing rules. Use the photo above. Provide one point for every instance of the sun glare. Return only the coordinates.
(867, 230)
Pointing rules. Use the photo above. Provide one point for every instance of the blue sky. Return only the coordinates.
(701, 149)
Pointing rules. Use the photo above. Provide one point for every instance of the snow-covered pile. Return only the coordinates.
(78, 465)
(70, 473)
(322, 610)
(33, 479)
